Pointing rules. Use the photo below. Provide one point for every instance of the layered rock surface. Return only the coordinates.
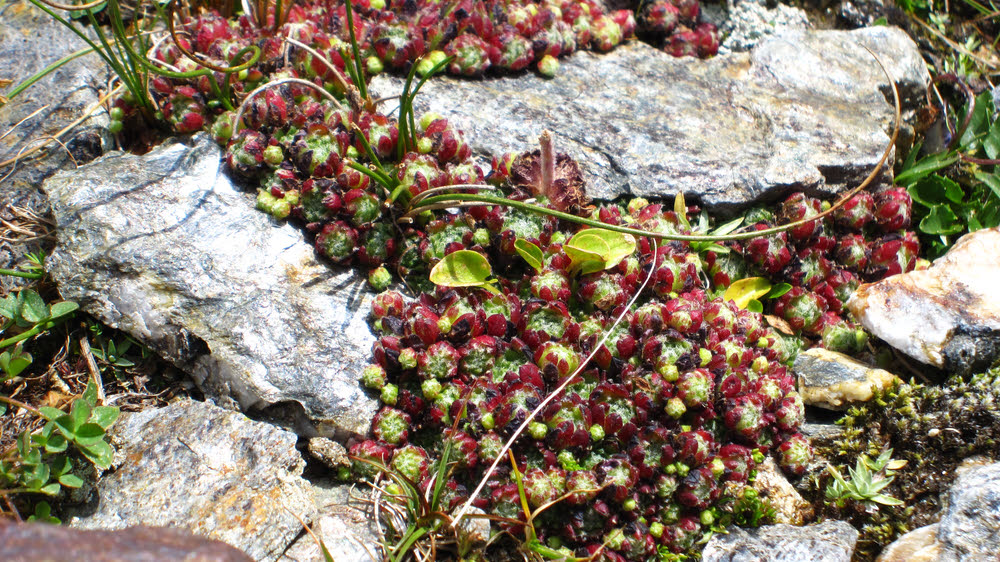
(166, 248)
(213, 471)
(802, 111)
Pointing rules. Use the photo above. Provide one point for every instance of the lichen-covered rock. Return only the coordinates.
(830, 541)
(166, 248)
(34, 40)
(748, 22)
(948, 315)
(40, 541)
(970, 526)
(802, 111)
(210, 470)
(833, 380)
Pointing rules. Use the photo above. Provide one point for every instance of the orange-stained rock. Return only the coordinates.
(948, 315)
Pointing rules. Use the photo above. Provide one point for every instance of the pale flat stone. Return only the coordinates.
(948, 315)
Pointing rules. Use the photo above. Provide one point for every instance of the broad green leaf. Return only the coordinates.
(71, 480)
(586, 253)
(35, 310)
(89, 433)
(50, 489)
(992, 181)
(745, 290)
(991, 144)
(926, 166)
(50, 413)
(464, 268)
(10, 308)
(934, 190)
(62, 308)
(3, 408)
(90, 393)
(973, 134)
(13, 363)
(778, 290)
(755, 306)
(79, 414)
(941, 220)
(43, 514)
(100, 453)
(530, 252)
(56, 444)
(620, 245)
(60, 465)
(105, 416)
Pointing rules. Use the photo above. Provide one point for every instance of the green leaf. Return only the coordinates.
(941, 220)
(3, 408)
(934, 190)
(596, 249)
(56, 444)
(10, 307)
(43, 514)
(63, 308)
(991, 144)
(71, 480)
(992, 181)
(464, 268)
(50, 489)
(78, 414)
(778, 290)
(728, 227)
(755, 306)
(977, 125)
(60, 465)
(680, 209)
(35, 310)
(90, 393)
(100, 454)
(13, 363)
(530, 252)
(50, 413)
(105, 416)
(89, 433)
(926, 166)
(620, 245)
(880, 22)
(745, 290)
(586, 254)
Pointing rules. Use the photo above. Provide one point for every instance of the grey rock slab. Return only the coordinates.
(802, 111)
(969, 529)
(948, 315)
(213, 471)
(833, 380)
(166, 248)
(830, 541)
(343, 524)
(30, 40)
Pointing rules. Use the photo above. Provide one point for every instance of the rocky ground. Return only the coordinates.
(237, 421)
